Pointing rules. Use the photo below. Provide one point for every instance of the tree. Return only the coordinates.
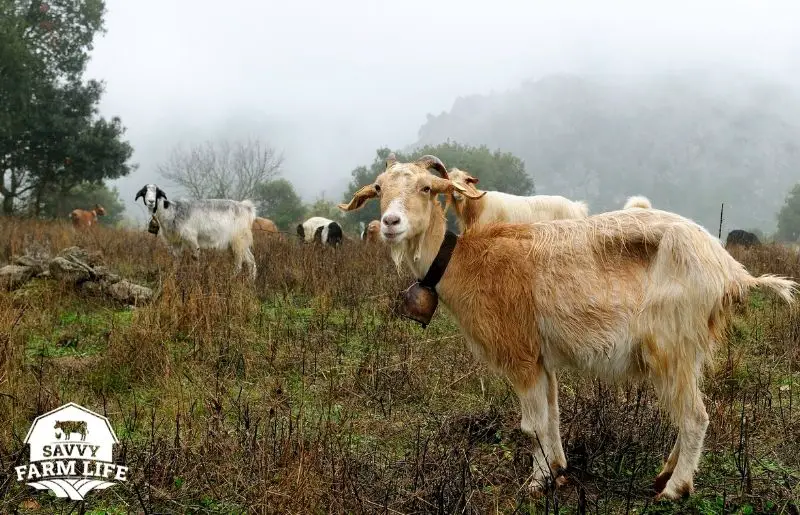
(223, 169)
(278, 201)
(789, 217)
(51, 137)
(496, 170)
(84, 196)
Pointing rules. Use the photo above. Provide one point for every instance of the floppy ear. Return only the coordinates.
(466, 187)
(160, 193)
(446, 186)
(140, 193)
(360, 198)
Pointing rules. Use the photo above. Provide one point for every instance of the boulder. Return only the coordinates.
(14, 276)
(129, 293)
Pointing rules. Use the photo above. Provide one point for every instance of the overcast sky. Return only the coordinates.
(328, 82)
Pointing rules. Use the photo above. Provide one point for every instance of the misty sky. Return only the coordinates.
(329, 82)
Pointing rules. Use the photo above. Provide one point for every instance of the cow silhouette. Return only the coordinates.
(71, 426)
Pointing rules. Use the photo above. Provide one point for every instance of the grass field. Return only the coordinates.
(304, 394)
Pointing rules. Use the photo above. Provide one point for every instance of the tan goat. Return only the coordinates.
(625, 294)
(496, 206)
(371, 233)
(82, 219)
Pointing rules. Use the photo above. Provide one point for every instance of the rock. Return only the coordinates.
(38, 265)
(14, 276)
(129, 293)
(65, 270)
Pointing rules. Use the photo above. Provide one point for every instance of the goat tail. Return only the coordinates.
(783, 286)
(583, 207)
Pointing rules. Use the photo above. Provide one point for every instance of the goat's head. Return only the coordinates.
(408, 194)
(151, 194)
(99, 210)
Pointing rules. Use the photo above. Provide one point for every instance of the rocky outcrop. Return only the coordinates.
(77, 267)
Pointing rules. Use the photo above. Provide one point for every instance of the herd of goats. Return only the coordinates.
(534, 284)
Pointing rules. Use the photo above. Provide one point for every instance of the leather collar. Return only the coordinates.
(439, 265)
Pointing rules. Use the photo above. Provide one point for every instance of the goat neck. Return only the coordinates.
(420, 252)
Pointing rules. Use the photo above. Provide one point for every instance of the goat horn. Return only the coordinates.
(432, 162)
(390, 160)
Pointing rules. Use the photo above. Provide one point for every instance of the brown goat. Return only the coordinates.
(372, 232)
(264, 225)
(82, 219)
(638, 293)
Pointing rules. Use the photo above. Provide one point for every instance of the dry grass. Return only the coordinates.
(304, 394)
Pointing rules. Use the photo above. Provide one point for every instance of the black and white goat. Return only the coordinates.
(320, 230)
(204, 223)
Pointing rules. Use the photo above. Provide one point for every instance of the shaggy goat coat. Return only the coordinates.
(497, 206)
(630, 293)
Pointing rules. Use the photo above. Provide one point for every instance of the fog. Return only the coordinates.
(329, 82)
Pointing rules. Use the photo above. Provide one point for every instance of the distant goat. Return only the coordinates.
(82, 219)
(638, 201)
(742, 238)
(495, 206)
(204, 223)
(629, 293)
(264, 225)
(320, 230)
(371, 233)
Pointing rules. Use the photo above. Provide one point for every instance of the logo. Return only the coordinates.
(70, 453)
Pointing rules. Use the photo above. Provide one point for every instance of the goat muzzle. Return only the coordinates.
(417, 303)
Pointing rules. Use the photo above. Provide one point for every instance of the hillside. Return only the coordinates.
(688, 141)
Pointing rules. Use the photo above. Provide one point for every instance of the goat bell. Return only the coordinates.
(417, 303)
(153, 227)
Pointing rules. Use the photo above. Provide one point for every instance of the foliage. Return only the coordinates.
(789, 217)
(223, 169)
(51, 137)
(278, 201)
(674, 138)
(84, 196)
(327, 209)
(496, 171)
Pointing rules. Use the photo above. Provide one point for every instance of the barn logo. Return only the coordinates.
(71, 453)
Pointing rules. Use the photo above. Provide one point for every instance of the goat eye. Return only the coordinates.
(426, 189)
(377, 188)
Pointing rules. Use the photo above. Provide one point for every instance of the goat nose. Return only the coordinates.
(390, 220)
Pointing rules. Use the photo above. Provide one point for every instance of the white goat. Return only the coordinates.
(630, 293)
(496, 206)
(638, 201)
(204, 223)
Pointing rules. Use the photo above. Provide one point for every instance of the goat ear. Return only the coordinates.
(160, 194)
(468, 190)
(446, 186)
(140, 193)
(360, 198)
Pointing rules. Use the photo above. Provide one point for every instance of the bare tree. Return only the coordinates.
(222, 169)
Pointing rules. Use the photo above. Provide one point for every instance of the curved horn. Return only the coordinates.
(140, 193)
(432, 162)
(390, 160)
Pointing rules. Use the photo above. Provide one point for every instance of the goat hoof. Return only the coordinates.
(671, 492)
(661, 482)
(536, 488)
